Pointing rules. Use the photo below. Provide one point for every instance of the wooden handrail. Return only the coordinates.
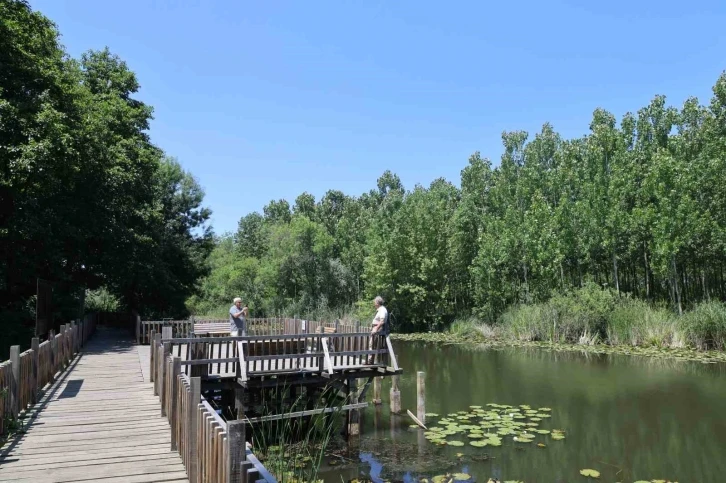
(211, 448)
(25, 374)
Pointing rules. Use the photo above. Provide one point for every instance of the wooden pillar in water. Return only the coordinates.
(395, 396)
(421, 396)
(239, 398)
(353, 414)
(377, 390)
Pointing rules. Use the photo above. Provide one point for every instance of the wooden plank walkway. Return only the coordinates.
(100, 422)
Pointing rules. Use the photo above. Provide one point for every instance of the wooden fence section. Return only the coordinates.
(255, 326)
(249, 356)
(26, 373)
(212, 450)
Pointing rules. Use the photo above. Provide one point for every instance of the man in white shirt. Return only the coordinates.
(378, 327)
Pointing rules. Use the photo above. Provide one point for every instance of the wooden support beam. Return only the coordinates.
(421, 396)
(395, 396)
(377, 390)
(353, 414)
(239, 404)
(309, 412)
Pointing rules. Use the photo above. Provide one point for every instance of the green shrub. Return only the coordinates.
(705, 326)
(634, 322)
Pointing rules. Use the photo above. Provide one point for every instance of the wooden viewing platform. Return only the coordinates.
(111, 410)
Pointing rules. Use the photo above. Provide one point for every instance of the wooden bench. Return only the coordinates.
(212, 329)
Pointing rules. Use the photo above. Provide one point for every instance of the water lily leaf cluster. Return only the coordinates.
(492, 425)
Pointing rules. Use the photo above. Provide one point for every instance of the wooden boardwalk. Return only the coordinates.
(99, 422)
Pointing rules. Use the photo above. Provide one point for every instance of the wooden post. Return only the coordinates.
(138, 329)
(245, 467)
(174, 416)
(236, 450)
(151, 355)
(377, 390)
(353, 414)
(395, 396)
(252, 474)
(195, 395)
(154, 368)
(166, 333)
(166, 349)
(159, 363)
(15, 383)
(51, 341)
(239, 401)
(35, 345)
(72, 340)
(61, 347)
(421, 396)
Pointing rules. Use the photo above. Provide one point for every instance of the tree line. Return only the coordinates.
(637, 206)
(86, 199)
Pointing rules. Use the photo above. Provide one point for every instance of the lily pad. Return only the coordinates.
(590, 473)
(461, 476)
(478, 444)
(455, 443)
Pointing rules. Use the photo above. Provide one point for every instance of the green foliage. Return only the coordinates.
(558, 242)
(101, 300)
(87, 200)
(705, 325)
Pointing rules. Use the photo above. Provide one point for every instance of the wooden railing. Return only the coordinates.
(212, 449)
(255, 326)
(25, 374)
(220, 356)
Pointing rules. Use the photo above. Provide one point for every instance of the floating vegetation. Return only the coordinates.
(490, 426)
(681, 354)
(590, 473)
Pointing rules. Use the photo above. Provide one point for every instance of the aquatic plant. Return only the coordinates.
(293, 448)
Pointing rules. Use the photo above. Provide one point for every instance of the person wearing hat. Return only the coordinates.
(237, 322)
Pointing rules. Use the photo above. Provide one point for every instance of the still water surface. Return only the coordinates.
(631, 418)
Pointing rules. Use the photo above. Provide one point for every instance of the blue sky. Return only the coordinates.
(263, 100)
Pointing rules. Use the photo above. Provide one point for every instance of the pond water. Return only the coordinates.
(631, 418)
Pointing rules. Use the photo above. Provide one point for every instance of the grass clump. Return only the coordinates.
(705, 326)
(592, 315)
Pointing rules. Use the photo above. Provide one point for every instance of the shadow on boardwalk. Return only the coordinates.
(99, 422)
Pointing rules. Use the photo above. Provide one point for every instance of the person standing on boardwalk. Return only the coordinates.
(379, 327)
(237, 315)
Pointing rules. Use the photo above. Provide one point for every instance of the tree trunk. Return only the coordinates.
(616, 281)
(677, 287)
(647, 282)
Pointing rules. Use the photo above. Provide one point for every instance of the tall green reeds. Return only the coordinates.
(293, 448)
(594, 315)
